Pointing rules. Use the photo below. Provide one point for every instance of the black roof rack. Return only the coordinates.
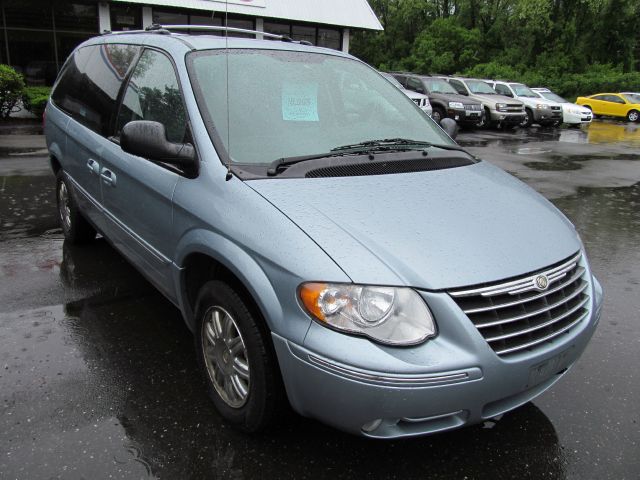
(168, 29)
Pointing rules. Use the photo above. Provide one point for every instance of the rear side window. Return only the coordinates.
(503, 90)
(460, 88)
(153, 93)
(89, 85)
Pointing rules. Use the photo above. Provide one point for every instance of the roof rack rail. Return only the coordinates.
(168, 29)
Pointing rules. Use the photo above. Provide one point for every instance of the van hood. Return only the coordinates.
(432, 230)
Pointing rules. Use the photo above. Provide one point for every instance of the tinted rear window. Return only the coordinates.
(89, 85)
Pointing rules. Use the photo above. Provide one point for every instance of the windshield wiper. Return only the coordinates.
(286, 161)
(394, 144)
(362, 147)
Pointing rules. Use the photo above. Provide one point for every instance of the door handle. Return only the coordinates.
(93, 166)
(108, 177)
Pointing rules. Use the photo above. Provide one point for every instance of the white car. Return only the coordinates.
(572, 113)
(420, 99)
(537, 109)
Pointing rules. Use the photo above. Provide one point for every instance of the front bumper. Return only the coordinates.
(453, 380)
(545, 116)
(575, 118)
(465, 117)
(508, 118)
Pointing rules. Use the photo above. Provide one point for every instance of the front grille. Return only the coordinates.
(514, 108)
(518, 315)
(417, 101)
(473, 107)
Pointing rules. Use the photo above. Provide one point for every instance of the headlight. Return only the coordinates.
(501, 106)
(456, 105)
(540, 106)
(390, 315)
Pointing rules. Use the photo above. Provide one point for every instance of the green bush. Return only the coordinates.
(11, 88)
(35, 99)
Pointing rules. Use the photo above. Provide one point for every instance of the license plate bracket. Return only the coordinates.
(545, 370)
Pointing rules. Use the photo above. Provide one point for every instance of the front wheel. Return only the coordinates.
(437, 115)
(633, 116)
(236, 358)
(528, 118)
(75, 227)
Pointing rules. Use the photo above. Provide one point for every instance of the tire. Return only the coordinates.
(437, 114)
(528, 118)
(236, 358)
(593, 115)
(633, 116)
(75, 227)
(485, 122)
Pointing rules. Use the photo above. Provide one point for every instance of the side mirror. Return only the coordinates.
(149, 140)
(420, 90)
(450, 126)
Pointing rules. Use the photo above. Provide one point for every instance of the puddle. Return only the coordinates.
(27, 206)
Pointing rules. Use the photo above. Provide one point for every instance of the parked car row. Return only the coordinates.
(483, 103)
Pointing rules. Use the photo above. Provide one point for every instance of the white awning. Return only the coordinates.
(345, 13)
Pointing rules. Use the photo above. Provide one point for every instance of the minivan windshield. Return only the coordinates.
(284, 104)
(478, 86)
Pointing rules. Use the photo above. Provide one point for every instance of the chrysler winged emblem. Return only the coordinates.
(542, 282)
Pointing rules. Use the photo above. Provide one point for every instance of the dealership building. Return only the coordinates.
(36, 36)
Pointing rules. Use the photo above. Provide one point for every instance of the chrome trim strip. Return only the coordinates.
(404, 380)
(579, 272)
(538, 327)
(514, 284)
(537, 312)
(543, 339)
(434, 417)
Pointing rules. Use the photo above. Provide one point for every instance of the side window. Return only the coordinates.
(616, 99)
(89, 86)
(460, 88)
(153, 93)
(503, 90)
(414, 84)
(602, 98)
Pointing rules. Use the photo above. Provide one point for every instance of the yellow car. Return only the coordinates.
(613, 105)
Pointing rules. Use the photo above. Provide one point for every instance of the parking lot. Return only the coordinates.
(98, 375)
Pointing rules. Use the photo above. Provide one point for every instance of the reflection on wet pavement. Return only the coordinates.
(98, 376)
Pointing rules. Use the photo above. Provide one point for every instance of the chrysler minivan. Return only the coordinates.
(328, 244)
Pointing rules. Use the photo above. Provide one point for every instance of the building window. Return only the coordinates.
(75, 16)
(303, 32)
(278, 28)
(28, 14)
(125, 17)
(170, 17)
(330, 38)
(321, 36)
(38, 35)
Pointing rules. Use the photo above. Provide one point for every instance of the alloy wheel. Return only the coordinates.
(64, 207)
(225, 357)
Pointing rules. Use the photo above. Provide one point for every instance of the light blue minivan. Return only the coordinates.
(329, 245)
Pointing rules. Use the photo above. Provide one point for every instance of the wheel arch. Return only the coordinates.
(207, 256)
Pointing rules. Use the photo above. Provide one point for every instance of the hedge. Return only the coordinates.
(11, 88)
(34, 99)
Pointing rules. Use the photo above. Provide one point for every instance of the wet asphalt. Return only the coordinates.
(98, 376)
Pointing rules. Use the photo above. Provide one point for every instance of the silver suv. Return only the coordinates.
(499, 109)
(537, 110)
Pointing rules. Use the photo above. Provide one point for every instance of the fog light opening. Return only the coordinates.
(371, 426)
